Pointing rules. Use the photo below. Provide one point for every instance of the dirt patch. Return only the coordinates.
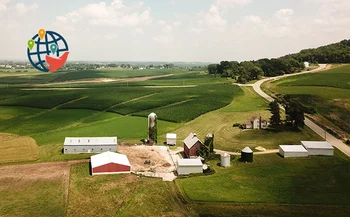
(160, 160)
(260, 148)
(18, 176)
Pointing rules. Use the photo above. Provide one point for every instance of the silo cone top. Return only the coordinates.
(247, 150)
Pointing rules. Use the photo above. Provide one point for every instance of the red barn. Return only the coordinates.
(109, 163)
(191, 145)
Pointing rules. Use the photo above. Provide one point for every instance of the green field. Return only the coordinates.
(273, 179)
(130, 195)
(231, 138)
(327, 92)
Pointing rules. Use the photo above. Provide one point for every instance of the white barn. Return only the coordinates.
(79, 145)
(293, 151)
(188, 166)
(318, 148)
(171, 138)
(306, 64)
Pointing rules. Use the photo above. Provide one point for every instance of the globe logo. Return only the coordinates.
(47, 51)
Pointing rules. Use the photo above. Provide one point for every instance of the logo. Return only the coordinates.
(47, 51)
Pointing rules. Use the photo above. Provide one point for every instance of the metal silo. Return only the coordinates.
(152, 128)
(225, 160)
(247, 155)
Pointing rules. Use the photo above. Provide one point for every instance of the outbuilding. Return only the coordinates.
(171, 139)
(78, 145)
(109, 163)
(293, 151)
(247, 155)
(188, 166)
(191, 145)
(318, 148)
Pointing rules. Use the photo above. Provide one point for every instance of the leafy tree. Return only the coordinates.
(275, 119)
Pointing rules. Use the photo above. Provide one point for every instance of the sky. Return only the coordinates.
(175, 30)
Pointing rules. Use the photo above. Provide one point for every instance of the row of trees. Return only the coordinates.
(252, 70)
(333, 53)
(294, 112)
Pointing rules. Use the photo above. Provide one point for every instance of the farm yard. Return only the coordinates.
(184, 102)
(327, 92)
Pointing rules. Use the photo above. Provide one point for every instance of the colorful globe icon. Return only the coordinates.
(45, 43)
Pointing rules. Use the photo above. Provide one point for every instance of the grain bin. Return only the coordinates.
(247, 155)
(152, 128)
(225, 160)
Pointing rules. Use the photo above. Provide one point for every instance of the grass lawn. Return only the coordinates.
(121, 195)
(327, 92)
(272, 179)
(231, 138)
(130, 195)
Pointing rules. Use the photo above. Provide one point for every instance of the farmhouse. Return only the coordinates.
(78, 145)
(191, 145)
(318, 148)
(293, 151)
(188, 166)
(109, 163)
(171, 139)
(256, 123)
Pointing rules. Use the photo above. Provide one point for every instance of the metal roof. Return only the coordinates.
(317, 145)
(189, 162)
(191, 140)
(247, 150)
(171, 136)
(293, 148)
(90, 141)
(109, 157)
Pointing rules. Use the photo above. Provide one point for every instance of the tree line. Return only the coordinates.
(253, 70)
(246, 71)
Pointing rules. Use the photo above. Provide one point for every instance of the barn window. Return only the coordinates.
(110, 149)
(66, 149)
(89, 140)
(79, 141)
(92, 149)
(101, 149)
(83, 149)
(74, 149)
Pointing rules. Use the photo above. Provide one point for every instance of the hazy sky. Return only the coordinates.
(175, 30)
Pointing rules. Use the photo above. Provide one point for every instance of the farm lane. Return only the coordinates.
(331, 139)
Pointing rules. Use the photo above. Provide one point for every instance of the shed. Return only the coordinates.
(171, 138)
(191, 145)
(188, 166)
(318, 148)
(247, 155)
(78, 145)
(293, 151)
(109, 163)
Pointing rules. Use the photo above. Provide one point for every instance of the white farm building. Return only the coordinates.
(78, 145)
(318, 148)
(293, 151)
(171, 139)
(188, 166)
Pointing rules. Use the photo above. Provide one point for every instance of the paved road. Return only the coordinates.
(331, 139)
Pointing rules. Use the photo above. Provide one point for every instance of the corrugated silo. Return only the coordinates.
(225, 160)
(152, 128)
(247, 155)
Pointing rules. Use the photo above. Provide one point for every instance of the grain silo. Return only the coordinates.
(247, 155)
(225, 160)
(152, 128)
